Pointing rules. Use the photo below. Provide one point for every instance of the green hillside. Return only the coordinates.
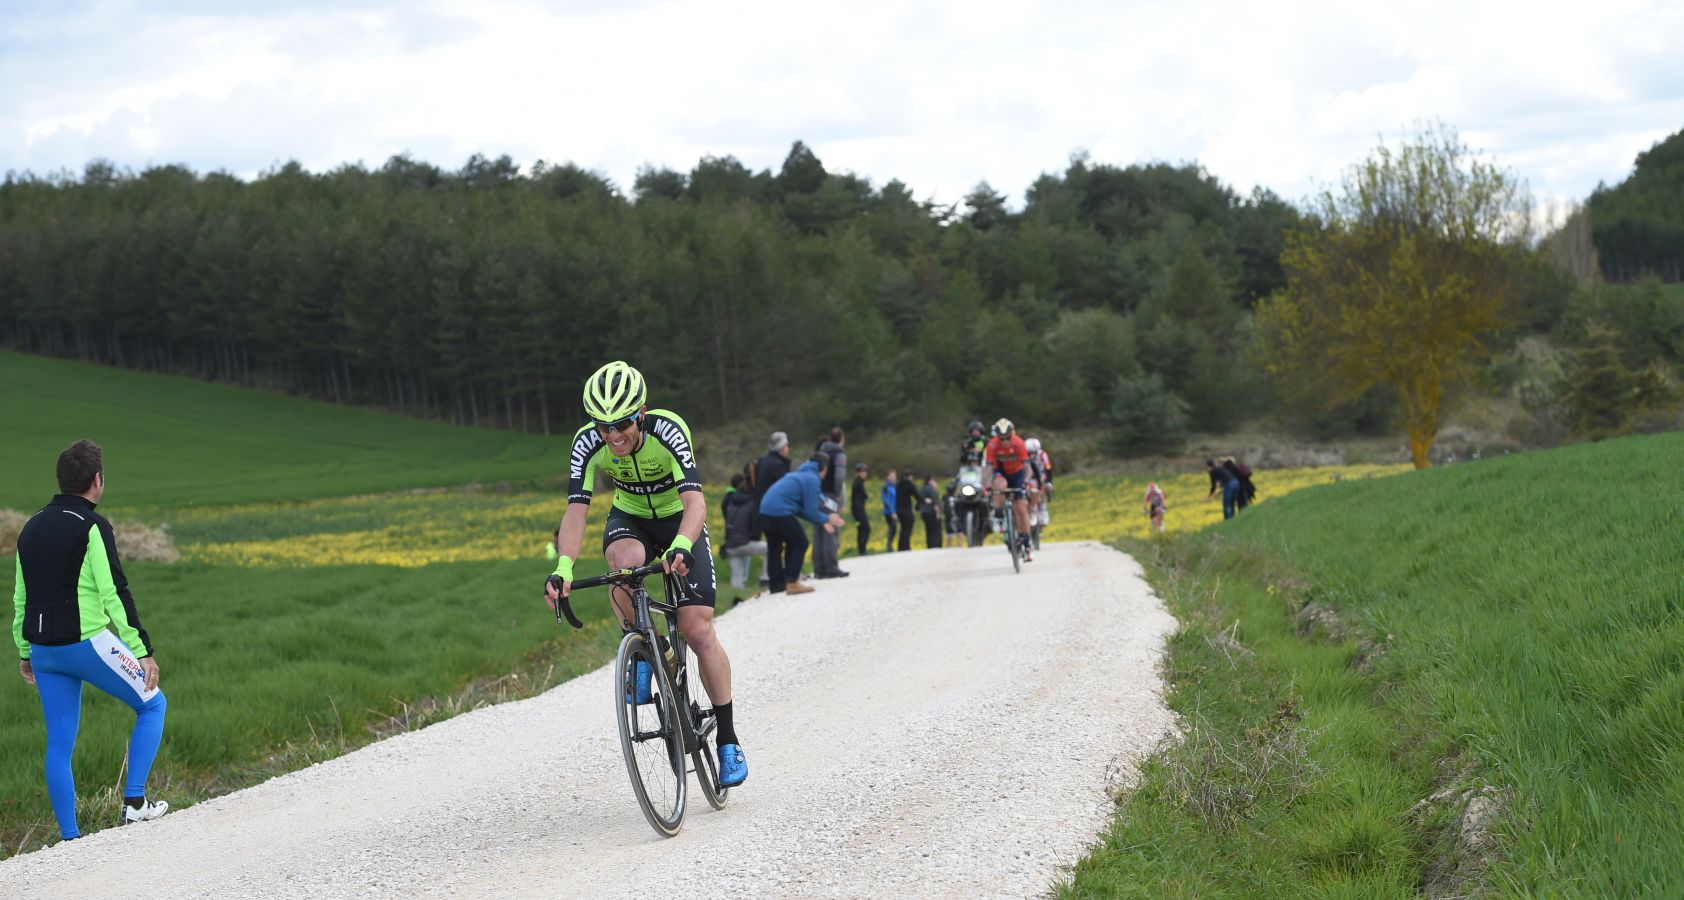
(172, 441)
(1510, 627)
(270, 665)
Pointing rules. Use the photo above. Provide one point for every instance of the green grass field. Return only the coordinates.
(1512, 623)
(177, 442)
(1524, 615)
(269, 667)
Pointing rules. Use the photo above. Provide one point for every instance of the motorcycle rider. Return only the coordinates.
(967, 494)
(971, 451)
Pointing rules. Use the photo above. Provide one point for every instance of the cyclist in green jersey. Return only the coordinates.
(658, 512)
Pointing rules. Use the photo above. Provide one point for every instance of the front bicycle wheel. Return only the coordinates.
(650, 736)
(706, 763)
(1012, 542)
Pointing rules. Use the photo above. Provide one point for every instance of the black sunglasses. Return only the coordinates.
(619, 424)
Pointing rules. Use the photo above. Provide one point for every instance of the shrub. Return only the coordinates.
(1146, 417)
(136, 541)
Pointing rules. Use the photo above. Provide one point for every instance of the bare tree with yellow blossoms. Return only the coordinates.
(1400, 277)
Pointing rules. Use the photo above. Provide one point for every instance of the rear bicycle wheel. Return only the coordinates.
(650, 736)
(705, 764)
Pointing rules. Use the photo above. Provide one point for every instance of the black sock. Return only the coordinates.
(726, 734)
(134, 802)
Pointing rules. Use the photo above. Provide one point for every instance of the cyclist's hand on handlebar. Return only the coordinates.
(555, 588)
(678, 561)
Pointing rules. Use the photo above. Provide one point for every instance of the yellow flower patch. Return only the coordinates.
(411, 530)
(1103, 507)
(394, 530)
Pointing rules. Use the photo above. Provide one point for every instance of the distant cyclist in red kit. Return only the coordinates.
(1007, 466)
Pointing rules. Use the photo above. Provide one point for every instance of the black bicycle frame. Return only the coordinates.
(644, 607)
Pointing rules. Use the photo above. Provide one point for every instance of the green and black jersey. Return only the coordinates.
(648, 481)
(70, 582)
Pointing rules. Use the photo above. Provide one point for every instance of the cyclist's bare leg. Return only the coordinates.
(696, 622)
(997, 495)
(625, 553)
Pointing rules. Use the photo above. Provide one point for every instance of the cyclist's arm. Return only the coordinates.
(695, 515)
(571, 539)
(581, 478)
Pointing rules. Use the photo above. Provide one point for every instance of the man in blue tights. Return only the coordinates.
(75, 622)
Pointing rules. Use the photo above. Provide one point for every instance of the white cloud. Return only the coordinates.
(940, 95)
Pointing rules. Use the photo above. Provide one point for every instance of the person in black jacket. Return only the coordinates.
(1247, 491)
(827, 545)
(929, 509)
(906, 500)
(857, 500)
(75, 622)
(1225, 481)
(765, 472)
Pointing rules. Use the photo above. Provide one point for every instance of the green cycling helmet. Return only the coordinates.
(614, 392)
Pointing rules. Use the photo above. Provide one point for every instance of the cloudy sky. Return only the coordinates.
(940, 95)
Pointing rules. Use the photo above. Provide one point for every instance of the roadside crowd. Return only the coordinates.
(770, 501)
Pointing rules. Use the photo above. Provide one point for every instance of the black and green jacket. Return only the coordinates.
(70, 583)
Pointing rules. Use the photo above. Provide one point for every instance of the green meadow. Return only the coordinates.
(175, 442)
(1508, 629)
(345, 575)
(271, 667)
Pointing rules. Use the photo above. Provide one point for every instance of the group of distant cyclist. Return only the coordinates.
(993, 468)
(75, 621)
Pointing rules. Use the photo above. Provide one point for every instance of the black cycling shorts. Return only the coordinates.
(1014, 480)
(656, 536)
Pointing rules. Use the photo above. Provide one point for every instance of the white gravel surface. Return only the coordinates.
(931, 726)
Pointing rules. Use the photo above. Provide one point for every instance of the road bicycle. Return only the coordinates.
(657, 736)
(1013, 544)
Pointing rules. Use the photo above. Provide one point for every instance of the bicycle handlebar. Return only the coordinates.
(564, 608)
(619, 575)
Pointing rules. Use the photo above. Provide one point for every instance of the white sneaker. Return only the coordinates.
(149, 810)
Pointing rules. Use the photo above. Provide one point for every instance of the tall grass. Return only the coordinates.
(1523, 620)
(258, 663)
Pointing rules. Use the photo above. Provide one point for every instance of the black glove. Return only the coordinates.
(679, 553)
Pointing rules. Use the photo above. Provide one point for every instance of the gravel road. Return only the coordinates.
(931, 726)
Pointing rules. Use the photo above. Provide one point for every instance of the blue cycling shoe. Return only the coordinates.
(733, 766)
(644, 695)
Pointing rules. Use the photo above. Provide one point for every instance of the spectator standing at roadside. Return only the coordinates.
(738, 482)
(857, 504)
(70, 594)
(740, 545)
(1225, 481)
(827, 543)
(906, 500)
(796, 495)
(765, 472)
(1248, 491)
(929, 508)
(890, 489)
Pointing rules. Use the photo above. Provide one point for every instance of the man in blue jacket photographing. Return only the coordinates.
(794, 496)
